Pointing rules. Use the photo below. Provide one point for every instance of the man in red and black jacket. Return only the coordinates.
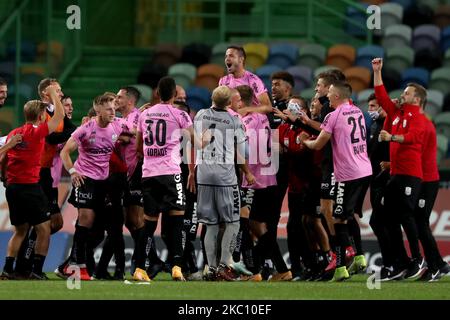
(402, 192)
(437, 267)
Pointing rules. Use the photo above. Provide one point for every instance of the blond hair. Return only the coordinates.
(33, 109)
(221, 97)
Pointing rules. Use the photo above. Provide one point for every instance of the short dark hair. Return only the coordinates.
(64, 97)
(3, 82)
(132, 92)
(239, 49)
(44, 84)
(344, 89)
(420, 93)
(372, 97)
(327, 78)
(338, 74)
(283, 75)
(246, 93)
(167, 88)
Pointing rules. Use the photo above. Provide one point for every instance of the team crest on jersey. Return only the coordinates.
(114, 137)
(92, 139)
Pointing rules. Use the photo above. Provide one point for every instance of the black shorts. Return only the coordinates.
(27, 204)
(327, 186)
(262, 204)
(46, 182)
(362, 196)
(90, 195)
(347, 194)
(305, 203)
(133, 192)
(163, 193)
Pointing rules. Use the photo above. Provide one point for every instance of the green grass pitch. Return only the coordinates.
(163, 288)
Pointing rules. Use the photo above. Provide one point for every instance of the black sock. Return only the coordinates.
(342, 242)
(150, 247)
(105, 258)
(202, 244)
(38, 263)
(9, 264)
(189, 258)
(241, 239)
(80, 239)
(176, 239)
(263, 248)
(355, 235)
(25, 256)
(333, 242)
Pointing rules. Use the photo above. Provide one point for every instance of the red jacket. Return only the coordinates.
(429, 153)
(406, 157)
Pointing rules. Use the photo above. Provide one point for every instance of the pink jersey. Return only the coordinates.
(95, 145)
(259, 137)
(129, 150)
(161, 132)
(348, 139)
(249, 79)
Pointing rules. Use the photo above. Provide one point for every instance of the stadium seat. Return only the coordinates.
(418, 75)
(362, 97)
(418, 14)
(396, 35)
(391, 13)
(33, 68)
(151, 73)
(445, 39)
(426, 36)
(283, 55)
(356, 15)
(391, 78)
(404, 3)
(257, 54)
(341, 55)
(395, 94)
(446, 103)
(323, 69)
(7, 70)
(146, 93)
(358, 77)
(446, 62)
(31, 79)
(196, 54)
(364, 55)
(28, 51)
(399, 58)
(442, 147)
(435, 101)
(208, 76)
(311, 55)
(428, 59)
(265, 72)
(183, 73)
(25, 93)
(198, 98)
(218, 53)
(442, 121)
(308, 93)
(442, 16)
(166, 54)
(56, 50)
(302, 76)
(440, 80)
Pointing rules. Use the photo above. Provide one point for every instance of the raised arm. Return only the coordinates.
(71, 146)
(59, 109)
(380, 90)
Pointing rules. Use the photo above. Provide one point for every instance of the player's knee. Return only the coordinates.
(56, 223)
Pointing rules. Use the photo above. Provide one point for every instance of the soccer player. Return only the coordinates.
(26, 200)
(159, 131)
(258, 197)
(406, 139)
(345, 127)
(95, 141)
(237, 75)
(436, 266)
(218, 199)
